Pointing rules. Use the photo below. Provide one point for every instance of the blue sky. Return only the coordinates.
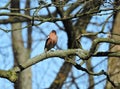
(46, 70)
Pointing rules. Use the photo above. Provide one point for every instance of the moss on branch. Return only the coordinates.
(84, 55)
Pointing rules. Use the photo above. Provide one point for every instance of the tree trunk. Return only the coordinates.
(113, 62)
(73, 31)
(21, 54)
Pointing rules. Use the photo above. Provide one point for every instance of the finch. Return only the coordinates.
(51, 40)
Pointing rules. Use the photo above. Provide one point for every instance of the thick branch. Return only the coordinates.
(58, 53)
(101, 40)
(12, 74)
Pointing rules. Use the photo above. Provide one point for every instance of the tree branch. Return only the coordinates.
(101, 40)
(12, 73)
(102, 72)
(38, 18)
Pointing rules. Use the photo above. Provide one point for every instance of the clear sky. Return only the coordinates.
(47, 69)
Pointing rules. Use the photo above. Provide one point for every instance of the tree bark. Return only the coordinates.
(113, 62)
(73, 31)
(21, 54)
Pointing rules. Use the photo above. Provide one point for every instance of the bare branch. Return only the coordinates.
(12, 74)
(101, 40)
(38, 18)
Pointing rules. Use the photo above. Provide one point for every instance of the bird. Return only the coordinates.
(51, 41)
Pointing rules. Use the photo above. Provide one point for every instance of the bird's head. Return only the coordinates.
(53, 31)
